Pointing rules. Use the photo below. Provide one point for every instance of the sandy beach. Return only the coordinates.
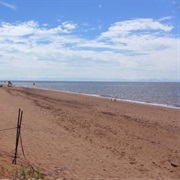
(89, 137)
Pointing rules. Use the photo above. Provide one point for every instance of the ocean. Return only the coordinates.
(155, 93)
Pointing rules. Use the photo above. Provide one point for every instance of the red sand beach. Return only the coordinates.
(89, 137)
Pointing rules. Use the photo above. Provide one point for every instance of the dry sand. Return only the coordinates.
(89, 137)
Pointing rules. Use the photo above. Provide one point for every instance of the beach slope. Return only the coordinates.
(89, 137)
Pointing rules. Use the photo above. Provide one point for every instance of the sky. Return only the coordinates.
(90, 40)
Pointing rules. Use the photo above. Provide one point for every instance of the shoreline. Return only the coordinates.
(146, 102)
(110, 98)
(90, 137)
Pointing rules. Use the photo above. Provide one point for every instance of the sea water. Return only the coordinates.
(158, 93)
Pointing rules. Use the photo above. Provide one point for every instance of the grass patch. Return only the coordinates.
(27, 173)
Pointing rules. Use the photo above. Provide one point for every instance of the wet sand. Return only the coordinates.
(89, 137)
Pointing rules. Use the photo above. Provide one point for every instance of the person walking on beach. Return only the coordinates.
(33, 85)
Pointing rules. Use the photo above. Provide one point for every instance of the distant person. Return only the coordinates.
(115, 99)
(9, 84)
(33, 85)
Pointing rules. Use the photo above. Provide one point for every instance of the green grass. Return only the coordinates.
(27, 173)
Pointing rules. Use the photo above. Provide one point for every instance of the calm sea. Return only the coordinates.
(158, 93)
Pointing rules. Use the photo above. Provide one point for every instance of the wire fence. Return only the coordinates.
(18, 141)
(8, 129)
(21, 155)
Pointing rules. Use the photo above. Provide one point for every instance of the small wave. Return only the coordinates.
(149, 103)
(112, 95)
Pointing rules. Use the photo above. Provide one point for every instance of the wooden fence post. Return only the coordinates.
(18, 132)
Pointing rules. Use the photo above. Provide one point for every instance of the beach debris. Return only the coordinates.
(60, 169)
(50, 173)
(174, 165)
(56, 171)
(115, 99)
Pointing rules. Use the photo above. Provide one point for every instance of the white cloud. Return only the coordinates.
(123, 28)
(29, 49)
(165, 18)
(33, 28)
(69, 26)
(8, 5)
(18, 29)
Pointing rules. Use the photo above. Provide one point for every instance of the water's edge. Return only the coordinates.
(118, 99)
(155, 94)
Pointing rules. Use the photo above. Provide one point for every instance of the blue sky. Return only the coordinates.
(129, 40)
